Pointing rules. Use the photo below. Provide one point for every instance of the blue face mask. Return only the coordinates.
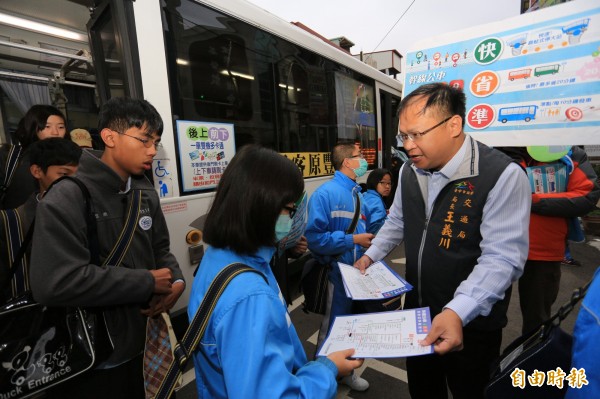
(282, 227)
(362, 167)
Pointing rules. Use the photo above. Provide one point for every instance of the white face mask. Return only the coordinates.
(282, 227)
(362, 167)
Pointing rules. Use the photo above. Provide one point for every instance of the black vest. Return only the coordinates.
(441, 252)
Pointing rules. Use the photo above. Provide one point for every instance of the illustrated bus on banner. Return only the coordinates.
(520, 113)
(531, 79)
(222, 74)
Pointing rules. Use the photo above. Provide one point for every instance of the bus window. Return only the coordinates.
(221, 78)
(112, 42)
(276, 93)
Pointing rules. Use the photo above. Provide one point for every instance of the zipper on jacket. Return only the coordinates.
(420, 257)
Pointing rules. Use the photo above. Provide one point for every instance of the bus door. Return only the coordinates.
(113, 44)
(388, 104)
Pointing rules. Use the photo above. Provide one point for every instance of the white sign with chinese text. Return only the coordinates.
(205, 150)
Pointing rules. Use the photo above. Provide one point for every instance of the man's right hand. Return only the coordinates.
(363, 263)
(162, 280)
(343, 364)
(363, 239)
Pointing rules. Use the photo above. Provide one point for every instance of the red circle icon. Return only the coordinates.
(574, 114)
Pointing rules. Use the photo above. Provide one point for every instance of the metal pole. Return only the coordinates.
(43, 79)
(45, 51)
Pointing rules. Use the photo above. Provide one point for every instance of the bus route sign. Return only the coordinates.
(528, 79)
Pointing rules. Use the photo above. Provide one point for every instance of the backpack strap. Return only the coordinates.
(17, 244)
(195, 331)
(10, 167)
(352, 226)
(122, 245)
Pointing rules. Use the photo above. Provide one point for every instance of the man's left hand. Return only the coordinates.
(446, 333)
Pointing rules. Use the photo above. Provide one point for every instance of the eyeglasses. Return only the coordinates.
(146, 142)
(292, 210)
(414, 136)
(385, 183)
(356, 156)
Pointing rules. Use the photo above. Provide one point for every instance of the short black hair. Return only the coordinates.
(375, 177)
(34, 121)
(54, 151)
(442, 98)
(340, 152)
(256, 185)
(122, 113)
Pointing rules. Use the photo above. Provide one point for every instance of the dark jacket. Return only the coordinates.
(61, 273)
(436, 265)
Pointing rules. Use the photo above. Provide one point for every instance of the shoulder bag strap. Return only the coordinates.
(120, 249)
(195, 331)
(9, 169)
(565, 309)
(352, 226)
(16, 246)
(122, 245)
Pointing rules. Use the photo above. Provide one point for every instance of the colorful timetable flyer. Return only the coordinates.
(379, 335)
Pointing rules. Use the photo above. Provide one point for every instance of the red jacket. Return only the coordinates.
(550, 212)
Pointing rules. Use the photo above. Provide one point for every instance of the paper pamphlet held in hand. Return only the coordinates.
(298, 225)
(378, 282)
(379, 335)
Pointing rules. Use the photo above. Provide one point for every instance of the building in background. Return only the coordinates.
(387, 61)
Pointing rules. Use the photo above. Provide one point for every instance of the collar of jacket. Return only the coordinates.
(345, 181)
(92, 167)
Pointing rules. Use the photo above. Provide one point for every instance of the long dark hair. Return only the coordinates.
(34, 121)
(375, 177)
(254, 188)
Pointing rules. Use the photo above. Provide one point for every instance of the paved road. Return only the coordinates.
(388, 376)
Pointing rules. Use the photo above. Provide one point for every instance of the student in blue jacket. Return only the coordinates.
(250, 348)
(379, 187)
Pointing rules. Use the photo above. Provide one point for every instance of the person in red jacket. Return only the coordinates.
(548, 227)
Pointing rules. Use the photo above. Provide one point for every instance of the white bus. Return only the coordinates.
(222, 67)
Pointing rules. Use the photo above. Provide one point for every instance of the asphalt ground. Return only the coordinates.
(387, 377)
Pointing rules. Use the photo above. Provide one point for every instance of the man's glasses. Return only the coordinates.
(146, 142)
(414, 136)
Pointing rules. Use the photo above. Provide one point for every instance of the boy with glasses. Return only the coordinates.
(462, 210)
(148, 279)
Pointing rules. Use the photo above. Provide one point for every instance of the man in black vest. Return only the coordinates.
(463, 211)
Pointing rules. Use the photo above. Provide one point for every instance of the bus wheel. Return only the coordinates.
(527, 119)
(503, 120)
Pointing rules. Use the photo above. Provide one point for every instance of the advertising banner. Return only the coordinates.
(529, 80)
(205, 149)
